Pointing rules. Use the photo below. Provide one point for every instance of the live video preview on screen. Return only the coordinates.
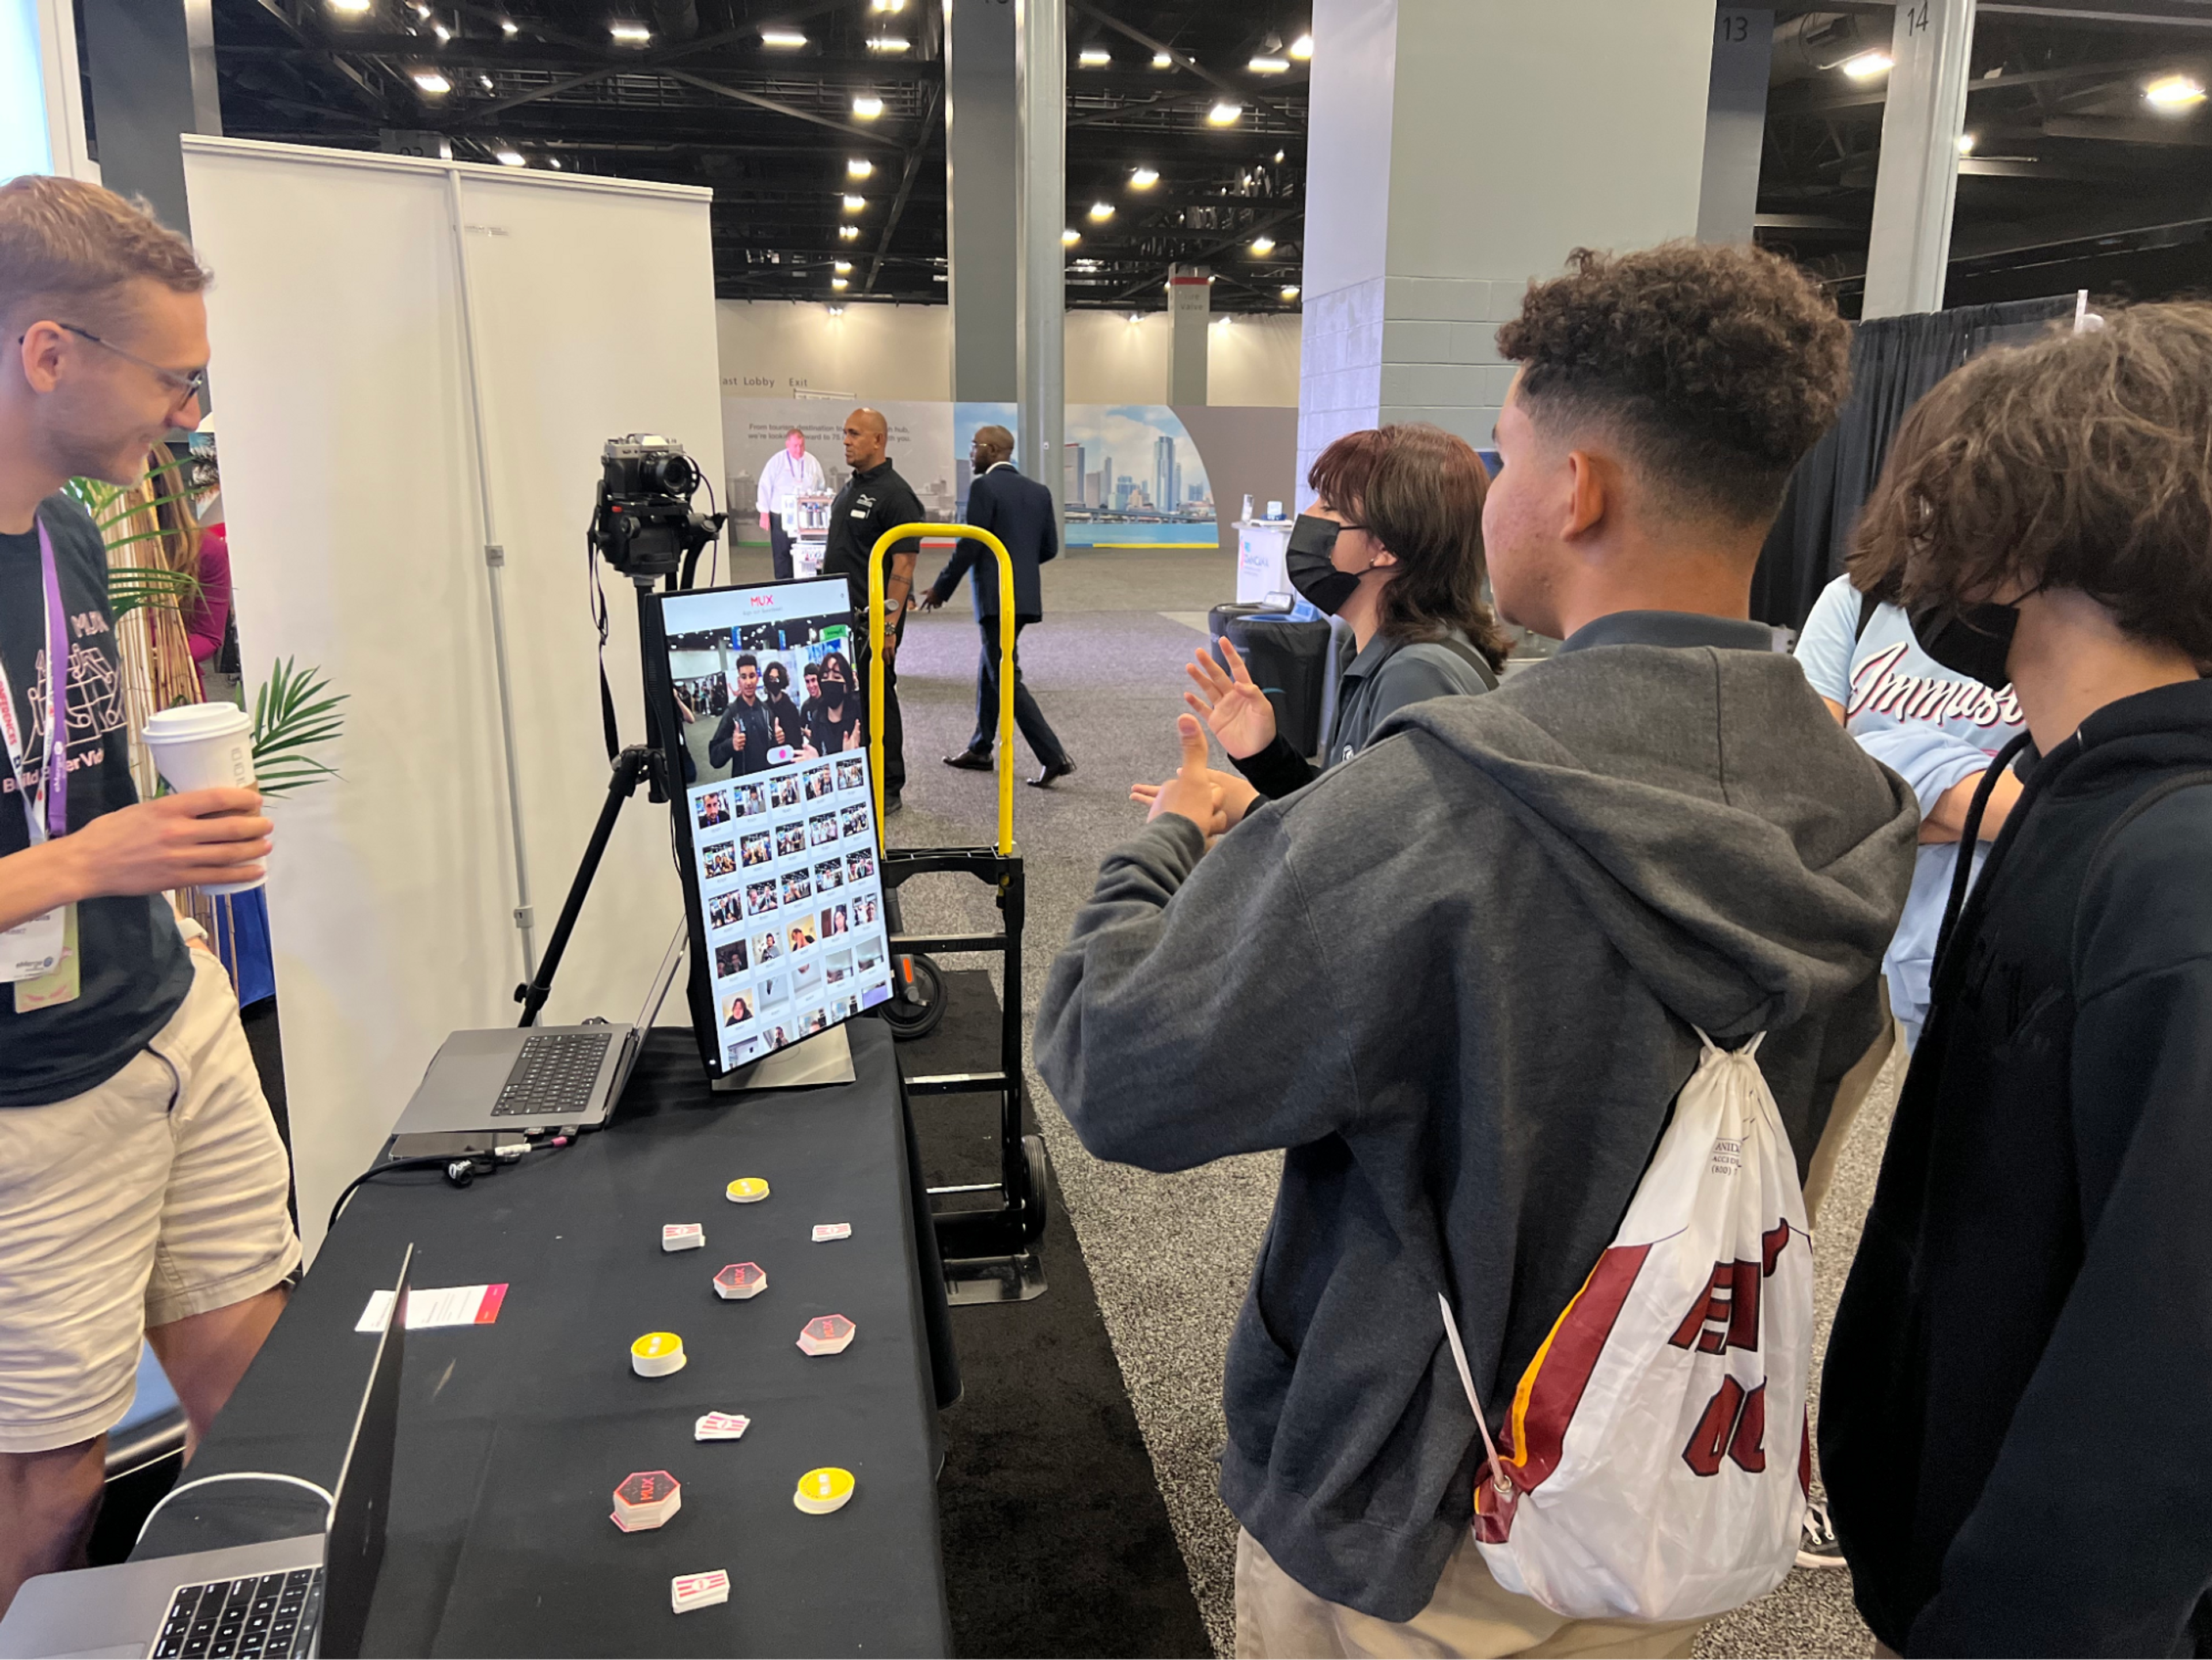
(777, 810)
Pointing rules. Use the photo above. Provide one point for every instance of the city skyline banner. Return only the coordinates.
(1131, 475)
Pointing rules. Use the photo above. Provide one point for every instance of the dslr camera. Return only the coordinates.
(645, 525)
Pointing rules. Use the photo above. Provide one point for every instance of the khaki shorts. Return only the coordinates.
(1470, 1613)
(159, 1195)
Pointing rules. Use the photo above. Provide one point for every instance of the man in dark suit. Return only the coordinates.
(1018, 511)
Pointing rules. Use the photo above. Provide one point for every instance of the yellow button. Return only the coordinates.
(822, 1491)
(746, 1190)
(656, 1344)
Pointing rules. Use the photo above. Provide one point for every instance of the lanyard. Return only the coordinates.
(47, 812)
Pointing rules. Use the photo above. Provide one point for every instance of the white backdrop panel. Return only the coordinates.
(350, 489)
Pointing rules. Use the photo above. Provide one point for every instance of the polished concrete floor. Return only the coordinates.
(1170, 1254)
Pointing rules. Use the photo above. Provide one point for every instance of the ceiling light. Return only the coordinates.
(1279, 155)
(784, 38)
(887, 43)
(1868, 64)
(1224, 115)
(1290, 290)
(1966, 143)
(2173, 92)
(353, 7)
(1069, 237)
(839, 282)
(836, 310)
(886, 5)
(1101, 210)
(421, 10)
(509, 158)
(867, 108)
(1265, 65)
(1136, 317)
(443, 34)
(1263, 245)
(849, 233)
(553, 161)
(854, 203)
(509, 28)
(432, 82)
(629, 35)
(859, 166)
(843, 267)
(1094, 58)
(1302, 48)
(1162, 61)
(1144, 179)
(484, 81)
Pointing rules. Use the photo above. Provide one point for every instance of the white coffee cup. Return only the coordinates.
(203, 747)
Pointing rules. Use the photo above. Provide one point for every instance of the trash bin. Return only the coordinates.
(1289, 660)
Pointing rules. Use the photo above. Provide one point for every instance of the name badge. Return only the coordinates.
(32, 948)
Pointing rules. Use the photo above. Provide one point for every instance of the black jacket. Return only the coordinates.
(1018, 511)
(721, 748)
(2016, 1415)
(871, 503)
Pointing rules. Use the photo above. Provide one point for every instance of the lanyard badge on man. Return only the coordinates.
(39, 955)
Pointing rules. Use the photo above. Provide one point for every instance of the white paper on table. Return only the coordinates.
(452, 1305)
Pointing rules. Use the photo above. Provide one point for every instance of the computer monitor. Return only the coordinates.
(762, 718)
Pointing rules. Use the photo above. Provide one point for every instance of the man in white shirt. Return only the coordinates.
(789, 474)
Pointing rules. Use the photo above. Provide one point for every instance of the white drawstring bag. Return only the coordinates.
(1655, 1465)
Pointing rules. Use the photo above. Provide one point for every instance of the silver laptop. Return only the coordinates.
(534, 1077)
(304, 1596)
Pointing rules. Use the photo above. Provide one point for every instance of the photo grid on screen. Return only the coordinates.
(781, 816)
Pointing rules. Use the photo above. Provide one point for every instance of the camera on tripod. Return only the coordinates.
(645, 525)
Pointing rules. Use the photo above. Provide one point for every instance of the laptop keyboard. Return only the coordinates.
(553, 1074)
(273, 1614)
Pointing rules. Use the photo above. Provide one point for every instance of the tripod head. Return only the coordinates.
(645, 525)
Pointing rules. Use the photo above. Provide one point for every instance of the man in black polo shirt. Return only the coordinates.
(873, 501)
(142, 1186)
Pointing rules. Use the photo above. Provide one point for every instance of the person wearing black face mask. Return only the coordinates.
(1393, 543)
(833, 720)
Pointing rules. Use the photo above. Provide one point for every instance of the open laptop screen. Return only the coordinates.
(764, 721)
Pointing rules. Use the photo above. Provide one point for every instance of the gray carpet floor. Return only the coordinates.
(1170, 1254)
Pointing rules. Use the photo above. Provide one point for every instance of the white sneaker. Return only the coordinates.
(1816, 1540)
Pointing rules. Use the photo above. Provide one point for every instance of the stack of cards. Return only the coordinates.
(657, 1354)
(687, 1591)
(721, 1426)
(822, 1491)
(645, 1500)
(683, 1236)
(830, 1335)
(746, 1190)
(832, 1231)
(741, 1281)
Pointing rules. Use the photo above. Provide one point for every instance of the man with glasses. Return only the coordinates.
(143, 1187)
(873, 501)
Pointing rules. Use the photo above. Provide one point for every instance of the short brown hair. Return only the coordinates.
(1716, 367)
(66, 245)
(1418, 490)
(2081, 461)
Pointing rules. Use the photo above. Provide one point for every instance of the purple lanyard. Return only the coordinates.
(53, 769)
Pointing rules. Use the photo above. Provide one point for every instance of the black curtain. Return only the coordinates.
(1894, 360)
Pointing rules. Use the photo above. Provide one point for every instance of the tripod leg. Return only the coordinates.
(631, 765)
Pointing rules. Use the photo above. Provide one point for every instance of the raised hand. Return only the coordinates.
(1237, 710)
(1191, 793)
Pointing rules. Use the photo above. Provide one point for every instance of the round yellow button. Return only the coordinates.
(657, 1354)
(822, 1491)
(746, 1190)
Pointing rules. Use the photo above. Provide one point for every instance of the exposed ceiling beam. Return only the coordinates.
(1220, 245)
(861, 134)
(1184, 61)
(913, 156)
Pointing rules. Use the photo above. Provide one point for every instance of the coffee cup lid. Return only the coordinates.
(188, 721)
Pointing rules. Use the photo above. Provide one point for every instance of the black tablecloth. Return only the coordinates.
(513, 1436)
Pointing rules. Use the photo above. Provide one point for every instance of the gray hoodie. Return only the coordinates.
(1456, 977)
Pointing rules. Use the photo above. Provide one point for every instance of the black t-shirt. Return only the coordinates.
(871, 503)
(132, 965)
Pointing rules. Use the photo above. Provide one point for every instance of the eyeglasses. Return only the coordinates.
(184, 387)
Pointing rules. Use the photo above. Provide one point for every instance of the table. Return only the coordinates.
(513, 1436)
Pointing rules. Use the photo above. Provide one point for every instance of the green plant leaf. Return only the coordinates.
(133, 588)
(295, 712)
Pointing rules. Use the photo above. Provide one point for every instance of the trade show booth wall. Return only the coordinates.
(379, 323)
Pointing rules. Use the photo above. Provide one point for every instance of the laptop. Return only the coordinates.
(520, 1078)
(304, 1596)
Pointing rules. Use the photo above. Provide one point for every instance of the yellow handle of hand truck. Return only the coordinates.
(877, 629)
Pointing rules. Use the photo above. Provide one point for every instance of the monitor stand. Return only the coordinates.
(825, 1058)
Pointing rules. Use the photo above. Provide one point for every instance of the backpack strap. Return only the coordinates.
(1469, 655)
(1867, 606)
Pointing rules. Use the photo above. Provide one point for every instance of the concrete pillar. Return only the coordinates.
(1040, 61)
(1917, 178)
(1735, 122)
(1190, 300)
(1443, 176)
(152, 64)
(982, 133)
